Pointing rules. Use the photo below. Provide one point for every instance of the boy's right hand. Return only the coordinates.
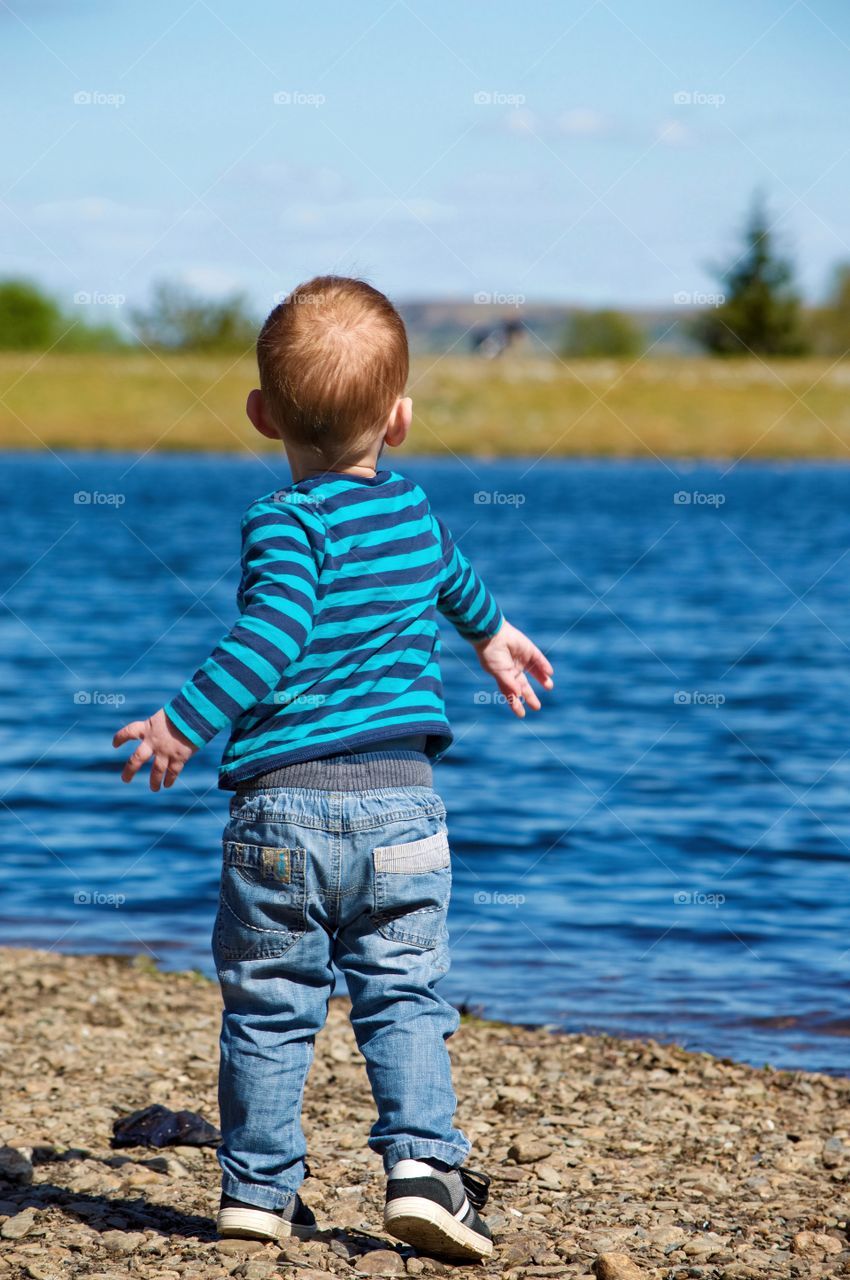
(507, 656)
(160, 740)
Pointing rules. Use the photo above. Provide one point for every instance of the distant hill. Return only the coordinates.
(457, 326)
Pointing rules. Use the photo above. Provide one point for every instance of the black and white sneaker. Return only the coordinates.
(249, 1222)
(434, 1207)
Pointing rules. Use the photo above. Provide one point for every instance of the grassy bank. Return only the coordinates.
(681, 408)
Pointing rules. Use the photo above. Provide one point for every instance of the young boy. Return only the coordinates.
(336, 850)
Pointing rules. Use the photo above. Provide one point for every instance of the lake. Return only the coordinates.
(662, 851)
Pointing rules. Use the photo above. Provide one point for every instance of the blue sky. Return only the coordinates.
(440, 149)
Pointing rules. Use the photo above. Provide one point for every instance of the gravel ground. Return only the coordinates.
(610, 1159)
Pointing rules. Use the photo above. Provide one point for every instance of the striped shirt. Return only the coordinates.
(337, 645)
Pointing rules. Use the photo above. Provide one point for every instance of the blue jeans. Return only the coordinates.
(311, 879)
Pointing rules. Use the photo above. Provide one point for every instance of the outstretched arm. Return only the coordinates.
(463, 598)
(278, 599)
(504, 652)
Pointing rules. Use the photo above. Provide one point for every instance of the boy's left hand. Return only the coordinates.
(158, 739)
(507, 656)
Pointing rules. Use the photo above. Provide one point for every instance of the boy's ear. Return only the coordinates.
(399, 423)
(255, 407)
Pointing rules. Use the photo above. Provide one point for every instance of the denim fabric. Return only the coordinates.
(311, 878)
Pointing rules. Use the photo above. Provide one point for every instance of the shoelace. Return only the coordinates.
(476, 1185)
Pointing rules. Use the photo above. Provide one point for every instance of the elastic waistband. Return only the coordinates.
(360, 771)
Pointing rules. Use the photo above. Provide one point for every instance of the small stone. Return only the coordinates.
(528, 1150)
(380, 1262)
(255, 1269)
(415, 1266)
(664, 1237)
(548, 1177)
(15, 1166)
(16, 1228)
(292, 1250)
(616, 1266)
(123, 1241)
(834, 1152)
(518, 1254)
(345, 1249)
(237, 1248)
(810, 1244)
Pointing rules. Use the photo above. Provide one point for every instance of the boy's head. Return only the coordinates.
(333, 363)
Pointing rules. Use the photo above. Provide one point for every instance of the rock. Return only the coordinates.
(237, 1248)
(15, 1166)
(834, 1152)
(518, 1254)
(548, 1177)
(123, 1241)
(528, 1150)
(809, 1244)
(255, 1269)
(20, 1225)
(664, 1237)
(380, 1262)
(415, 1266)
(617, 1266)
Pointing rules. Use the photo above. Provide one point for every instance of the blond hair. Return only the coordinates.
(333, 360)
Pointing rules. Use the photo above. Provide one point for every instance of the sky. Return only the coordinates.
(595, 152)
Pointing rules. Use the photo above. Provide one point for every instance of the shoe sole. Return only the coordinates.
(258, 1224)
(431, 1228)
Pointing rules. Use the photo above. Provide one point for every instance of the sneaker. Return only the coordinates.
(433, 1207)
(249, 1222)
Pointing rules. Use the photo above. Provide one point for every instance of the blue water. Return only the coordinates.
(662, 851)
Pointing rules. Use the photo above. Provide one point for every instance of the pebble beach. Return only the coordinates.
(610, 1158)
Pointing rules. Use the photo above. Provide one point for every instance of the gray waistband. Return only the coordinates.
(361, 771)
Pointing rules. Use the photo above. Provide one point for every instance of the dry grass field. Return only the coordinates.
(601, 408)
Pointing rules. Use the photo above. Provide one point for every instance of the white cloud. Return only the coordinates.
(673, 133)
(583, 122)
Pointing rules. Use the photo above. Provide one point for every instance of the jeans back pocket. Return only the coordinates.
(412, 889)
(261, 909)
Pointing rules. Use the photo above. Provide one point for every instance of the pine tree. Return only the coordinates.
(761, 312)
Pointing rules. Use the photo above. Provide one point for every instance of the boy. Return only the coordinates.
(336, 849)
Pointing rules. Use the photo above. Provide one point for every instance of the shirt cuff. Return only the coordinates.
(183, 716)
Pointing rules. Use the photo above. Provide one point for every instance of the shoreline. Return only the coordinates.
(677, 1163)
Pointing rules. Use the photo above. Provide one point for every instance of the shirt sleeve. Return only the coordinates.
(463, 598)
(277, 601)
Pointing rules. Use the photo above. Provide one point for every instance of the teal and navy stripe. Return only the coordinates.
(337, 644)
